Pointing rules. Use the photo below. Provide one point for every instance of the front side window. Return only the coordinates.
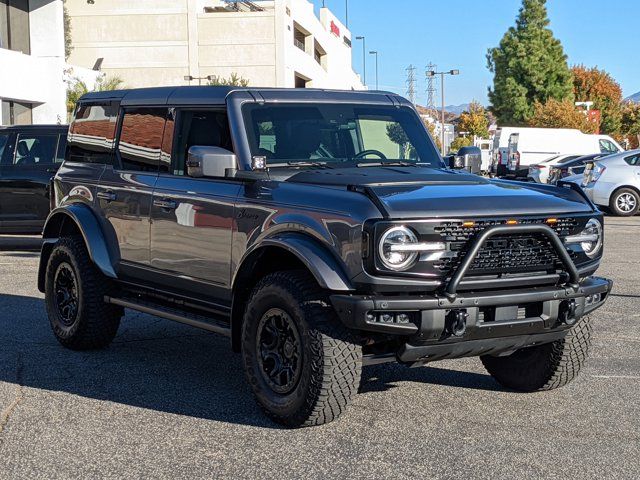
(140, 139)
(92, 133)
(607, 146)
(337, 134)
(35, 149)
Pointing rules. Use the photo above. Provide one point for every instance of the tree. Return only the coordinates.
(474, 121)
(597, 86)
(234, 79)
(560, 114)
(77, 88)
(431, 126)
(68, 45)
(630, 123)
(529, 66)
(460, 142)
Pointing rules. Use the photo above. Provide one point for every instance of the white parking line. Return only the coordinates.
(628, 377)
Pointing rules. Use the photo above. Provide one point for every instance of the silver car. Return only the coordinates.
(614, 182)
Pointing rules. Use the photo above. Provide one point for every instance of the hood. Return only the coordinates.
(410, 192)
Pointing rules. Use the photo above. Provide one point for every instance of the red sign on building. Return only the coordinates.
(335, 29)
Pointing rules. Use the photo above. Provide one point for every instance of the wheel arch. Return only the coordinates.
(76, 219)
(296, 251)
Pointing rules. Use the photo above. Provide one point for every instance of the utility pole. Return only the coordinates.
(432, 73)
(431, 89)
(375, 52)
(411, 83)
(364, 59)
(346, 13)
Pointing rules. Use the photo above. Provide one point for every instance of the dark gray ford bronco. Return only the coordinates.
(320, 231)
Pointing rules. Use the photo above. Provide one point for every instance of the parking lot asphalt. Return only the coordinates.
(167, 401)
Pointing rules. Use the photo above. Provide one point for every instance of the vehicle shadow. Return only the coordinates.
(160, 365)
(380, 378)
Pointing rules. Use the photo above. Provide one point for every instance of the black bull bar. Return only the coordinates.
(574, 277)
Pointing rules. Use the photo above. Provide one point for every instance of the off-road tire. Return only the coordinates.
(96, 323)
(331, 356)
(630, 193)
(546, 366)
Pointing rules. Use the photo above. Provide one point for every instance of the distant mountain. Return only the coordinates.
(457, 109)
(634, 98)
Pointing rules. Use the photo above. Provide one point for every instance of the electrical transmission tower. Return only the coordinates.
(411, 83)
(431, 88)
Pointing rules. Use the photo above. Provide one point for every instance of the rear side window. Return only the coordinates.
(35, 149)
(140, 141)
(4, 140)
(633, 160)
(92, 133)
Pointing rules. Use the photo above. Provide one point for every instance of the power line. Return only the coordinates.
(411, 83)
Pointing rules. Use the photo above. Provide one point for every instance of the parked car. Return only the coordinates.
(485, 146)
(530, 146)
(29, 157)
(294, 223)
(539, 173)
(614, 182)
(569, 167)
(467, 158)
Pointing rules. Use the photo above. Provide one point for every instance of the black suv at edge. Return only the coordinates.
(29, 157)
(320, 231)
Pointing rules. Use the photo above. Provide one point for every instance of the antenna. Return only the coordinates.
(411, 83)
(431, 89)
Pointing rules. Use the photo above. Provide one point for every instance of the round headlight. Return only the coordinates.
(390, 250)
(592, 234)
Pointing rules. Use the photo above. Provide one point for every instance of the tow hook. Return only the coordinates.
(567, 312)
(457, 322)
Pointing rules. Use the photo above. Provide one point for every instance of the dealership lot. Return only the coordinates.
(167, 401)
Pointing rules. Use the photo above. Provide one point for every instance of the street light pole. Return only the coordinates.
(375, 52)
(431, 73)
(364, 59)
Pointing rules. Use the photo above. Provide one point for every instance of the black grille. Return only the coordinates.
(456, 231)
(507, 253)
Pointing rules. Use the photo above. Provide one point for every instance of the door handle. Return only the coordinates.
(107, 196)
(165, 203)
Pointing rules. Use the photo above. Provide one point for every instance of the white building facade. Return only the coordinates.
(32, 86)
(277, 43)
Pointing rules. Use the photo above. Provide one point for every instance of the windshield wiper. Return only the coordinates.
(300, 164)
(392, 163)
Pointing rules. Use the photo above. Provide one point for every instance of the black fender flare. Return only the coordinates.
(316, 257)
(89, 227)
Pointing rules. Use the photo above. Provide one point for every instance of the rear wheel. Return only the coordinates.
(303, 365)
(543, 367)
(625, 202)
(74, 296)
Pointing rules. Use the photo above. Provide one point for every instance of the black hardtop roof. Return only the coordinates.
(216, 95)
(47, 126)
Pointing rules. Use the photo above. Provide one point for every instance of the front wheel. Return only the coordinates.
(546, 366)
(303, 365)
(625, 202)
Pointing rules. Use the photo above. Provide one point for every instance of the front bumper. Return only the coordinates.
(495, 321)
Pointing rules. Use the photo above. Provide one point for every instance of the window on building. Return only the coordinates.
(16, 113)
(300, 37)
(35, 149)
(141, 139)
(202, 128)
(92, 132)
(319, 54)
(300, 81)
(14, 25)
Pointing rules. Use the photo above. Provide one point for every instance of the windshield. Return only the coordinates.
(336, 135)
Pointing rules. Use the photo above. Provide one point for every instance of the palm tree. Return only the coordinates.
(77, 88)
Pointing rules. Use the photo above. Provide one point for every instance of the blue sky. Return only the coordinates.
(457, 34)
